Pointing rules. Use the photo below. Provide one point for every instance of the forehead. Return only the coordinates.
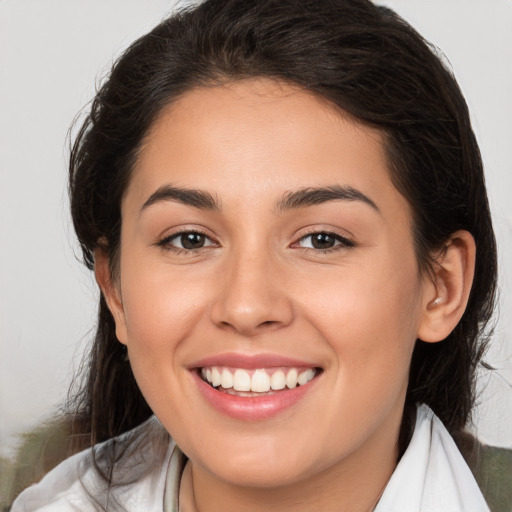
(258, 137)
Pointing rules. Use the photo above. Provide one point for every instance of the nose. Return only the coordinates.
(252, 296)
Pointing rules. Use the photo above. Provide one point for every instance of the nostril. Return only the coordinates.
(247, 328)
(249, 313)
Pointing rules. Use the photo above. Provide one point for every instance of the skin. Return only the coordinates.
(258, 286)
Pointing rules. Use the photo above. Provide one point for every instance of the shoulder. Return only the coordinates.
(432, 474)
(468, 464)
(492, 468)
(134, 462)
(60, 486)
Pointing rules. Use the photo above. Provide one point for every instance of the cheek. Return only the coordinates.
(161, 313)
(161, 309)
(370, 327)
(370, 320)
(373, 298)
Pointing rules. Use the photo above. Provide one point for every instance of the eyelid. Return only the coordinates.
(344, 241)
(164, 240)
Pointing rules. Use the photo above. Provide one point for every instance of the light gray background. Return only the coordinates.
(52, 53)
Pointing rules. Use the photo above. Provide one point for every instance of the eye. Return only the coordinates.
(187, 241)
(324, 241)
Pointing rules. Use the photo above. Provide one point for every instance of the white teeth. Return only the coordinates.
(226, 379)
(215, 377)
(305, 376)
(241, 381)
(291, 378)
(278, 380)
(259, 382)
(302, 378)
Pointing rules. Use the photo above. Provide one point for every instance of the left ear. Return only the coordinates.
(446, 290)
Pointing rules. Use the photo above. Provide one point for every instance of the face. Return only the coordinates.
(268, 294)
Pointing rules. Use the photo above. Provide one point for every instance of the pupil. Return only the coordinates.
(323, 241)
(192, 240)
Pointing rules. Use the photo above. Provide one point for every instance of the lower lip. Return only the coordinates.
(252, 408)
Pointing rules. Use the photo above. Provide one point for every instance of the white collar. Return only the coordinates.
(432, 475)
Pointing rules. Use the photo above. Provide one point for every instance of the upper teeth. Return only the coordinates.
(260, 380)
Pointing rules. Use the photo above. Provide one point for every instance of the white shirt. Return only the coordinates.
(432, 476)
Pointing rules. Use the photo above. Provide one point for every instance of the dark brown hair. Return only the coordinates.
(363, 59)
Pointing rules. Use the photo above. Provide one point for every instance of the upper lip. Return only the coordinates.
(251, 361)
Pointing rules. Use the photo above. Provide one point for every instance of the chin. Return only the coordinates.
(262, 474)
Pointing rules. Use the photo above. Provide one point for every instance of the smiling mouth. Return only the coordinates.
(261, 381)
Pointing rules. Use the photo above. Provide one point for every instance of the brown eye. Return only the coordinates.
(186, 241)
(324, 241)
(192, 240)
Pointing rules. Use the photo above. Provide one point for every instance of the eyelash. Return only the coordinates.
(165, 243)
(343, 242)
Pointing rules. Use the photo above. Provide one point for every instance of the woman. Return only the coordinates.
(285, 210)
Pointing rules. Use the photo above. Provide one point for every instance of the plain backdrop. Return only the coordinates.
(53, 53)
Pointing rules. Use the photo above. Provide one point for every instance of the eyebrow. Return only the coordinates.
(190, 197)
(312, 196)
(296, 199)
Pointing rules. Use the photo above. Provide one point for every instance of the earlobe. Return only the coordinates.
(446, 291)
(110, 291)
